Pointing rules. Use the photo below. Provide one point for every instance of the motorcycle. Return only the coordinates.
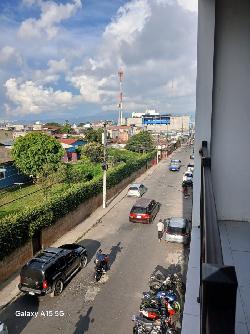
(171, 282)
(99, 269)
(146, 326)
(170, 295)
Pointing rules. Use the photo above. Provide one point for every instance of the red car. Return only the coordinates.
(144, 211)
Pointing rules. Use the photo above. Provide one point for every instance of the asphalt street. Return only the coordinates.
(107, 307)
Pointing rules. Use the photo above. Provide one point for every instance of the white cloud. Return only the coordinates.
(155, 41)
(191, 5)
(52, 73)
(52, 14)
(89, 87)
(30, 98)
(8, 54)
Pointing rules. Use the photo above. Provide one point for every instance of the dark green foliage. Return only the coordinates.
(92, 135)
(93, 151)
(16, 229)
(141, 142)
(35, 150)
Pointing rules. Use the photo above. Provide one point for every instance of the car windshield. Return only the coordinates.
(133, 188)
(176, 230)
(189, 174)
(138, 209)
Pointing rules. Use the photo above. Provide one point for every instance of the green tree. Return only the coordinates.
(53, 124)
(35, 150)
(93, 151)
(141, 142)
(92, 135)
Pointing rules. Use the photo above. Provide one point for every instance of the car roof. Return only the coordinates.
(46, 257)
(142, 202)
(137, 185)
(177, 222)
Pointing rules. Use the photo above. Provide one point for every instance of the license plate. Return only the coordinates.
(32, 293)
(138, 216)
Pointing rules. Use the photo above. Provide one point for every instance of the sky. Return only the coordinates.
(59, 59)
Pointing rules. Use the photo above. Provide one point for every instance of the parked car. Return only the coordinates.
(51, 269)
(136, 189)
(191, 156)
(178, 230)
(190, 168)
(174, 166)
(144, 211)
(175, 161)
(3, 328)
(188, 177)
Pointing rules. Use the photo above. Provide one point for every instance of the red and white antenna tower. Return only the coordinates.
(120, 76)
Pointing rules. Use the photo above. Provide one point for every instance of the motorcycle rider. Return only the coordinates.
(102, 260)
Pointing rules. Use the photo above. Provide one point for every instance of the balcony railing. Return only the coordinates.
(218, 282)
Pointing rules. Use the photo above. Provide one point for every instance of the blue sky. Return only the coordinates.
(59, 58)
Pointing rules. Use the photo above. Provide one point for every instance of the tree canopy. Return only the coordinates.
(141, 142)
(35, 150)
(93, 151)
(92, 135)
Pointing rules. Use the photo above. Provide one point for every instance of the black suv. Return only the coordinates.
(51, 269)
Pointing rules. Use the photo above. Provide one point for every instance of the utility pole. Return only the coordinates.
(104, 165)
(157, 157)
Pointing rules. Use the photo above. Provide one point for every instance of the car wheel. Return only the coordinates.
(84, 261)
(58, 288)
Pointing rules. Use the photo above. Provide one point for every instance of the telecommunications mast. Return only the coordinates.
(120, 76)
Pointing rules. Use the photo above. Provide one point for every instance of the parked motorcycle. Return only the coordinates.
(171, 282)
(145, 326)
(170, 295)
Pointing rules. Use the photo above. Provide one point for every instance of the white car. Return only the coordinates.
(3, 328)
(190, 168)
(188, 177)
(136, 189)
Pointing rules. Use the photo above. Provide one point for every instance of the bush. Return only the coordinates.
(16, 229)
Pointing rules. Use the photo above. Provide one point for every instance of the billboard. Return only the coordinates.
(155, 119)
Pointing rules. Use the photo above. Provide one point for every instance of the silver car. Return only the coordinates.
(3, 328)
(178, 230)
(136, 189)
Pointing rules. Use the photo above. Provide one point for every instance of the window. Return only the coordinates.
(138, 209)
(2, 173)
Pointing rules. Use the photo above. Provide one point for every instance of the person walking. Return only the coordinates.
(160, 228)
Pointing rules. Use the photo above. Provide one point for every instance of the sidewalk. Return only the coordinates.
(9, 289)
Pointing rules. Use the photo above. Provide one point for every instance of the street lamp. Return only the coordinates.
(104, 165)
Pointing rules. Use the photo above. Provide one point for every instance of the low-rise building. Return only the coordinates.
(120, 134)
(71, 146)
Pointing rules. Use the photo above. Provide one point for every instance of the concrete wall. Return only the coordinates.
(15, 261)
(231, 111)
(19, 257)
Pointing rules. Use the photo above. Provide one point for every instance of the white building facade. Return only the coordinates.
(223, 120)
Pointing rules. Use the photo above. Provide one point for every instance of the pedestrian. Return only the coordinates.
(185, 189)
(160, 228)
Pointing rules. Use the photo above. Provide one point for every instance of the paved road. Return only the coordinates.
(135, 253)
